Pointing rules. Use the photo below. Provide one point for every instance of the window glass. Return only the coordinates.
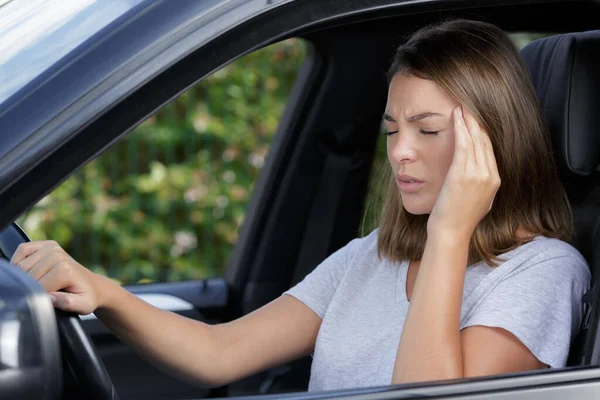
(521, 39)
(34, 34)
(166, 202)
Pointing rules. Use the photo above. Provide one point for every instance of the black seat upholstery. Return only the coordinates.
(566, 77)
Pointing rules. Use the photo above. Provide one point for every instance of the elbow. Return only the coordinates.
(199, 380)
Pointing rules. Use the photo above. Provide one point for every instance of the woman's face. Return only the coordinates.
(420, 145)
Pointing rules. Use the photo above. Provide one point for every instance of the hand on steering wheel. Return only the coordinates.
(73, 290)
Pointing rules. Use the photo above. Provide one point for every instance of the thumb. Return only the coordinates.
(490, 207)
(69, 302)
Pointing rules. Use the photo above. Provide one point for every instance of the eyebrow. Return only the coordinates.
(413, 118)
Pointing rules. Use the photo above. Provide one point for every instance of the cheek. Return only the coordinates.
(444, 155)
(388, 148)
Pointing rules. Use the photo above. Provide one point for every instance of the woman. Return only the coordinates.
(468, 274)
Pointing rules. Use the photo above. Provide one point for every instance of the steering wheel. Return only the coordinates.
(79, 352)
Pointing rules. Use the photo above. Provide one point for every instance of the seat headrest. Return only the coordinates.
(565, 74)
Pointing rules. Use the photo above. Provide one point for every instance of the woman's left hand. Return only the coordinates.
(471, 182)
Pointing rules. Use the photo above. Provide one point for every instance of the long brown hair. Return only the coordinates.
(477, 64)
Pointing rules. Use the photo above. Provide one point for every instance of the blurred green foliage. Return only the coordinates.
(166, 202)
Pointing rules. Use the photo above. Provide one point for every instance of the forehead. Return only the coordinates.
(409, 94)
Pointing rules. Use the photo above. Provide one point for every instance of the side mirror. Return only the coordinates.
(30, 358)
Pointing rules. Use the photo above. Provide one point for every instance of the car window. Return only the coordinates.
(166, 202)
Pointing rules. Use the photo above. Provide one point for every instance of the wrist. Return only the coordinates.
(448, 238)
(106, 291)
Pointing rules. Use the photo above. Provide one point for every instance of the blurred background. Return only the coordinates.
(166, 202)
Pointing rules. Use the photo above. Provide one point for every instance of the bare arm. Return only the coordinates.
(432, 346)
(209, 355)
(213, 355)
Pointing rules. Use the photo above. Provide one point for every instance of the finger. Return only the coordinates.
(33, 259)
(474, 131)
(491, 165)
(461, 139)
(55, 279)
(45, 264)
(26, 249)
(491, 157)
(488, 155)
(70, 302)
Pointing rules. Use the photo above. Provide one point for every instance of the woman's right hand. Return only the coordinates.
(71, 286)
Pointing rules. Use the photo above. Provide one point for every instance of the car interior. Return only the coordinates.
(310, 197)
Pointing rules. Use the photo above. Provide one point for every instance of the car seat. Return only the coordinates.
(565, 74)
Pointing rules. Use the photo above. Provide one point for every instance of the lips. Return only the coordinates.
(408, 184)
(407, 179)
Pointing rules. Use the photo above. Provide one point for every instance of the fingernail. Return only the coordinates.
(53, 299)
(460, 114)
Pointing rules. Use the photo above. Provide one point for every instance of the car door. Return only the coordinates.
(160, 210)
(201, 221)
(325, 138)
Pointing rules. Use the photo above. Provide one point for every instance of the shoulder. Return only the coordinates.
(547, 260)
(357, 252)
(535, 294)
(364, 245)
(554, 248)
(543, 249)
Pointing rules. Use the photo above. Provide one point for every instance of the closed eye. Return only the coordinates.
(421, 131)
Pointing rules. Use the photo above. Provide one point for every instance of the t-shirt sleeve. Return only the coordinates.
(540, 304)
(317, 289)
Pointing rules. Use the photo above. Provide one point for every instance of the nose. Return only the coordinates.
(402, 148)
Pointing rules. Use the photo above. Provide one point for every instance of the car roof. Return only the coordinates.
(36, 34)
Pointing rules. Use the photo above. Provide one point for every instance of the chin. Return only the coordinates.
(416, 207)
(418, 211)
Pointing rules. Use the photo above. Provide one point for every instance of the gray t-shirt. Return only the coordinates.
(535, 294)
